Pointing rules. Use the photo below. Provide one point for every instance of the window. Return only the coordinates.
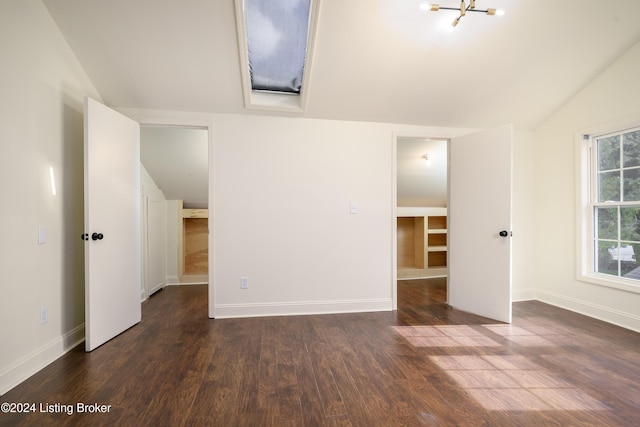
(277, 43)
(276, 40)
(611, 214)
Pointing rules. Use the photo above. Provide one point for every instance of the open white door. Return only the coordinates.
(479, 226)
(112, 223)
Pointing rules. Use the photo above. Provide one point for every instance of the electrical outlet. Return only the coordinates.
(244, 282)
(44, 315)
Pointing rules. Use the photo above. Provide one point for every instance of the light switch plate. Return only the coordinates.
(42, 235)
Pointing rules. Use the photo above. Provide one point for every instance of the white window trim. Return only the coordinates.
(585, 185)
(281, 102)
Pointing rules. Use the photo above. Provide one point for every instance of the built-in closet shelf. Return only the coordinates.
(193, 245)
(422, 242)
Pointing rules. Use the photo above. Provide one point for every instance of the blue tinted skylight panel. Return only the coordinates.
(277, 33)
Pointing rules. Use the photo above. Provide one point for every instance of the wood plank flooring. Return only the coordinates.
(425, 364)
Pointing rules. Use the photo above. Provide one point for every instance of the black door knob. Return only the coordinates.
(504, 233)
(96, 236)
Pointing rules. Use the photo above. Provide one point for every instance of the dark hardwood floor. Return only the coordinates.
(425, 364)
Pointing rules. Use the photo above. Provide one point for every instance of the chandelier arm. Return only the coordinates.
(457, 9)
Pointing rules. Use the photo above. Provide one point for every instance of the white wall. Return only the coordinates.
(611, 98)
(281, 189)
(523, 216)
(154, 235)
(282, 193)
(41, 126)
(173, 216)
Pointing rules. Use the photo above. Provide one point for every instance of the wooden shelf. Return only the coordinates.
(438, 222)
(436, 240)
(422, 242)
(193, 245)
(437, 259)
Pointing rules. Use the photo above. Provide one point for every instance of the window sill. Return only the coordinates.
(620, 283)
(275, 102)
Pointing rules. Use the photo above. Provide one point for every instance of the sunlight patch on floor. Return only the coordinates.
(444, 336)
(514, 383)
(530, 336)
(502, 382)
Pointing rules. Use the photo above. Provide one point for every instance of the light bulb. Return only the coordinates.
(498, 12)
(428, 6)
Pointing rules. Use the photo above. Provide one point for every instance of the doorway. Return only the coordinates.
(421, 210)
(478, 246)
(175, 201)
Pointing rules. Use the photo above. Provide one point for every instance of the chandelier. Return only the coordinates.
(463, 9)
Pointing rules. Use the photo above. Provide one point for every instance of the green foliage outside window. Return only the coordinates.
(617, 210)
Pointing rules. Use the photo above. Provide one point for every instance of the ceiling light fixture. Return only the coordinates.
(427, 160)
(463, 9)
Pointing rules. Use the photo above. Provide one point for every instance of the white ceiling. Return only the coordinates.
(374, 60)
(177, 160)
(418, 184)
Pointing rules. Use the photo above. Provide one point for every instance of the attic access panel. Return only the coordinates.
(277, 37)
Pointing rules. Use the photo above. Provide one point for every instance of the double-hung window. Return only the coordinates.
(611, 212)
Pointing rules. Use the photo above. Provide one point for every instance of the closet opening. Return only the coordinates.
(175, 202)
(421, 218)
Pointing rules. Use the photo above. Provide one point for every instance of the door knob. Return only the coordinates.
(96, 236)
(504, 233)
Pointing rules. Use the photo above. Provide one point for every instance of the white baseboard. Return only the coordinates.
(171, 280)
(606, 314)
(43, 356)
(226, 311)
(187, 283)
(157, 288)
(523, 295)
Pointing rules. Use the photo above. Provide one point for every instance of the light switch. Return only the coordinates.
(42, 235)
(353, 207)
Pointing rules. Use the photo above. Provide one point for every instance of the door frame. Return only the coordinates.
(188, 120)
(434, 133)
(394, 198)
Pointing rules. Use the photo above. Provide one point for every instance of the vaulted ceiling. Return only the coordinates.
(374, 60)
(421, 184)
(177, 160)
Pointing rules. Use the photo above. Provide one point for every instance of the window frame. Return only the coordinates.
(268, 100)
(586, 184)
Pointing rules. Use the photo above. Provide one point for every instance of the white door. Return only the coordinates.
(479, 228)
(112, 223)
